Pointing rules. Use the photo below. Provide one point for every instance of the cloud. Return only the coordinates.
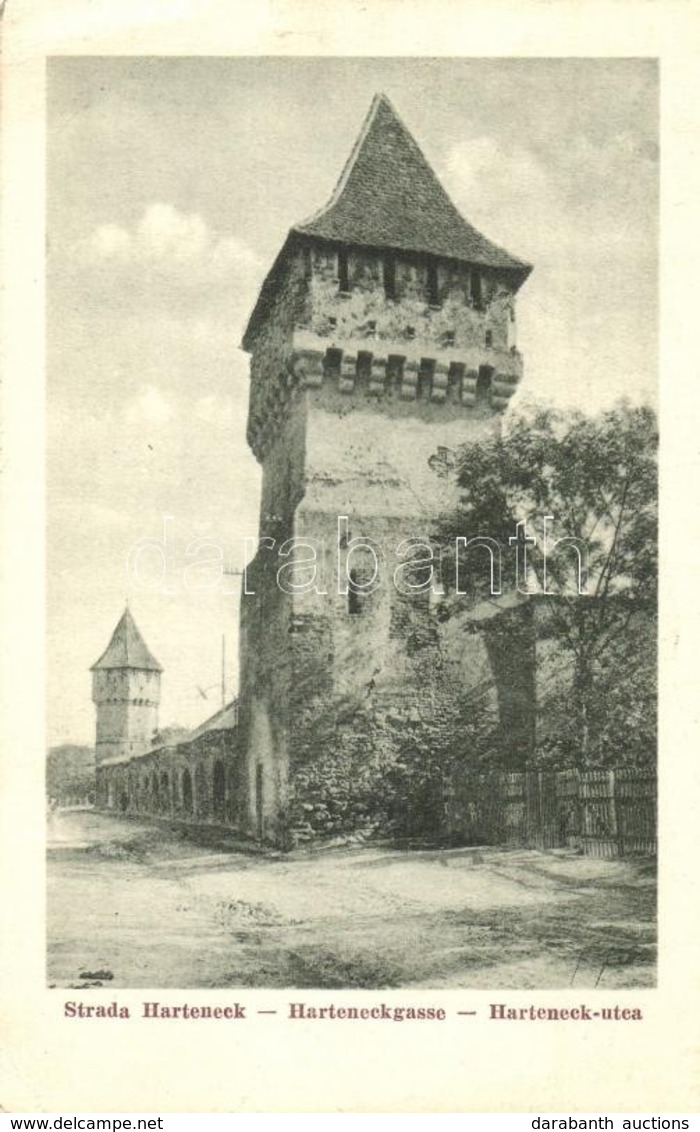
(215, 411)
(109, 241)
(165, 233)
(510, 195)
(481, 161)
(169, 262)
(594, 197)
(166, 238)
(585, 216)
(150, 406)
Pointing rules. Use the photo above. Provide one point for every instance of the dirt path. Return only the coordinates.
(140, 904)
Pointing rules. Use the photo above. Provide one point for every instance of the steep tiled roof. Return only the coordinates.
(223, 720)
(127, 648)
(389, 197)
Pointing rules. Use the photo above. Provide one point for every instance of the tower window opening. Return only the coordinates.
(343, 272)
(354, 594)
(306, 259)
(477, 291)
(332, 362)
(389, 267)
(483, 385)
(433, 287)
(489, 337)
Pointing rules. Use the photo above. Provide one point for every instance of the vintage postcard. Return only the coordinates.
(361, 724)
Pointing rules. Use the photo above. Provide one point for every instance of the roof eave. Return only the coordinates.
(511, 262)
(519, 269)
(267, 293)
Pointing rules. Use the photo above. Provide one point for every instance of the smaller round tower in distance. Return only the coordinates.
(126, 694)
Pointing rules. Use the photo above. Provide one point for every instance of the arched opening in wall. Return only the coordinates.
(164, 791)
(123, 801)
(154, 790)
(200, 791)
(219, 791)
(187, 797)
(259, 801)
(234, 790)
(483, 385)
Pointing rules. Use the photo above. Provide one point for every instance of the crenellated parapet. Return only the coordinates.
(382, 369)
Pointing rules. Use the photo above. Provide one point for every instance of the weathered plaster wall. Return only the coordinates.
(350, 315)
(378, 456)
(269, 387)
(127, 711)
(349, 717)
(196, 781)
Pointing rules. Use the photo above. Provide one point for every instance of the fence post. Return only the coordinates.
(618, 830)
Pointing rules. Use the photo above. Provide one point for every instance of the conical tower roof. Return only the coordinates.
(127, 648)
(388, 197)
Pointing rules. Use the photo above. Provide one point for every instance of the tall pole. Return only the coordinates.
(231, 574)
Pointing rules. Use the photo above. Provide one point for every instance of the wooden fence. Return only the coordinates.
(602, 813)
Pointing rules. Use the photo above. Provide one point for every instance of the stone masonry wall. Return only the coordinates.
(352, 314)
(197, 781)
(352, 712)
(127, 719)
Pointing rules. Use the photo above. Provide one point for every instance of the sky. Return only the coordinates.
(171, 185)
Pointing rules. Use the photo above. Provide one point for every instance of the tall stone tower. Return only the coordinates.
(382, 340)
(126, 693)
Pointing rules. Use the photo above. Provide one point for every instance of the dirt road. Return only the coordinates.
(134, 905)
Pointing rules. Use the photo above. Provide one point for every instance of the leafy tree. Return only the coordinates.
(594, 480)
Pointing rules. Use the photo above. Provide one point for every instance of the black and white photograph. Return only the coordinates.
(351, 499)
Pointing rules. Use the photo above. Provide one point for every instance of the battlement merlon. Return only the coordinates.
(388, 287)
(376, 370)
